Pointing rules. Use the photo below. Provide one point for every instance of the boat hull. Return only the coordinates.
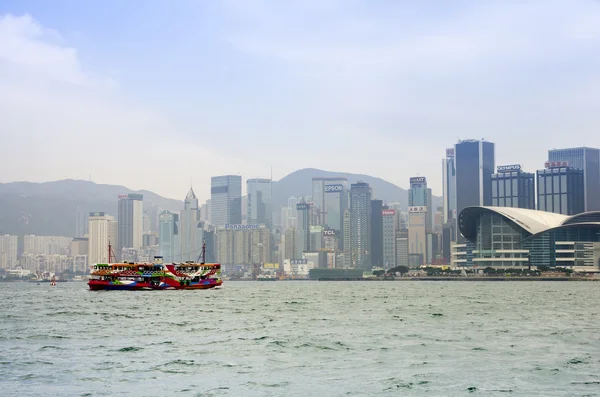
(101, 285)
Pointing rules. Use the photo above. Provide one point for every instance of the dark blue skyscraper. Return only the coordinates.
(560, 189)
(588, 160)
(474, 166)
(513, 187)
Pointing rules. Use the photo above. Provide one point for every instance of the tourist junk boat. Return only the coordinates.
(155, 276)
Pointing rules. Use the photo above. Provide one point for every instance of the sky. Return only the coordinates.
(158, 95)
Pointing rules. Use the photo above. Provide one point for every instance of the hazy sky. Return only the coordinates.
(150, 94)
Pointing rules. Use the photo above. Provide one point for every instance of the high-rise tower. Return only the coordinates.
(360, 224)
(130, 218)
(226, 200)
(588, 160)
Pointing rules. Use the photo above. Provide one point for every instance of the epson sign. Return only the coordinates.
(508, 168)
(334, 188)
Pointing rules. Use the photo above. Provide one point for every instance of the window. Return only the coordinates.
(515, 187)
(501, 190)
(501, 201)
(563, 204)
(542, 202)
(495, 202)
(556, 188)
(495, 188)
(563, 183)
(541, 184)
(556, 203)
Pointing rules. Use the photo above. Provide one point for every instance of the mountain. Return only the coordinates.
(299, 183)
(54, 208)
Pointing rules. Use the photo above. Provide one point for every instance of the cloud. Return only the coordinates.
(60, 120)
(401, 79)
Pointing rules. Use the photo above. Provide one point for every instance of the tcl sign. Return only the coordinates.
(328, 232)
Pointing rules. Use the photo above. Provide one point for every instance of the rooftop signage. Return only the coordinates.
(450, 152)
(242, 227)
(508, 168)
(302, 206)
(556, 164)
(298, 261)
(334, 188)
(329, 232)
(418, 179)
(388, 212)
(417, 210)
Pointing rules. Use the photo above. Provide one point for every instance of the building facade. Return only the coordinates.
(419, 218)
(588, 160)
(226, 200)
(512, 187)
(449, 186)
(474, 164)
(402, 258)
(169, 237)
(502, 237)
(130, 219)
(360, 225)
(376, 233)
(389, 226)
(560, 189)
(259, 201)
(103, 230)
(8, 251)
(303, 223)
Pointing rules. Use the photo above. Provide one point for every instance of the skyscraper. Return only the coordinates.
(360, 224)
(190, 234)
(561, 189)
(226, 200)
(303, 223)
(8, 251)
(588, 160)
(419, 217)
(449, 186)
(376, 233)
(330, 196)
(347, 240)
(102, 232)
(389, 237)
(259, 201)
(169, 239)
(130, 218)
(513, 187)
(474, 163)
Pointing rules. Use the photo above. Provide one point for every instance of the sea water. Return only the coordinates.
(293, 338)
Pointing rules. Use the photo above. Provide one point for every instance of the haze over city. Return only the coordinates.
(154, 95)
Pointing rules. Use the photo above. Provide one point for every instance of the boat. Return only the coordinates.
(53, 281)
(130, 276)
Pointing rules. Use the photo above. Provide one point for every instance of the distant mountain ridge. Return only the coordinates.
(299, 183)
(51, 208)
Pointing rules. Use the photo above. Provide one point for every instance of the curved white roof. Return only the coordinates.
(533, 221)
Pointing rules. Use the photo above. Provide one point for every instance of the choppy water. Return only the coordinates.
(303, 339)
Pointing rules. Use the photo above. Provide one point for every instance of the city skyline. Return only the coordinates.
(81, 77)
